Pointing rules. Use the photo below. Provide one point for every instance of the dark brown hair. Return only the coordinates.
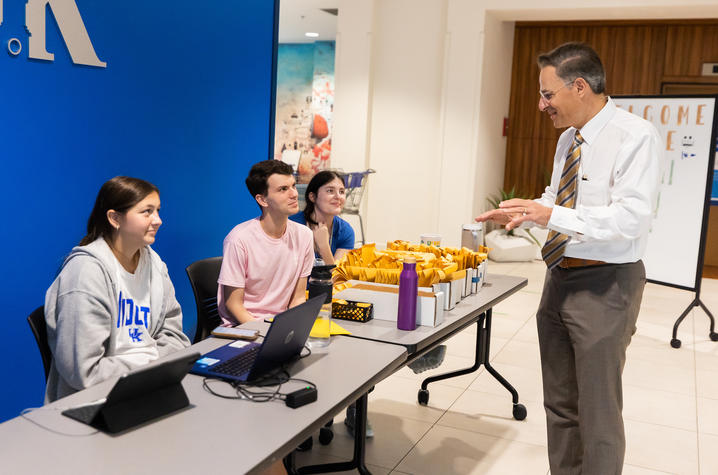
(256, 181)
(317, 181)
(120, 194)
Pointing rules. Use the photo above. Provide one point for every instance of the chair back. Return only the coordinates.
(37, 323)
(355, 183)
(203, 275)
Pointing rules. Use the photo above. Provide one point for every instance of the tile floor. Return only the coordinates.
(670, 397)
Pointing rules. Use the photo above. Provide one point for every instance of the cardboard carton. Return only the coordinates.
(385, 298)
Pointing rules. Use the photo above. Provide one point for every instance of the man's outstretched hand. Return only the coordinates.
(511, 213)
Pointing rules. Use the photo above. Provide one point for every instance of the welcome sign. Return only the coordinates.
(687, 127)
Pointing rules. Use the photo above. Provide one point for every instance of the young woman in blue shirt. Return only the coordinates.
(325, 196)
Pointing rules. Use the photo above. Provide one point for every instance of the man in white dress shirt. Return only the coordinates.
(598, 209)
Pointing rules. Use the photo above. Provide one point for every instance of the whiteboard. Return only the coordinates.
(674, 255)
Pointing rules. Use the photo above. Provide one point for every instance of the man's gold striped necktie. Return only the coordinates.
(552, 251)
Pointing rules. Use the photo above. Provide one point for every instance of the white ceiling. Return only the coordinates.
(297, 17)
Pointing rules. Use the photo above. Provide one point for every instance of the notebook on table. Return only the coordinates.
(138, 396)
(248, 361)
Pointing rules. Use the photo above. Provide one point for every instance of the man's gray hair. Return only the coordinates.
(576, 60)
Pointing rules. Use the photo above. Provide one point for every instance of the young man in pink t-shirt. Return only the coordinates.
(267, 259)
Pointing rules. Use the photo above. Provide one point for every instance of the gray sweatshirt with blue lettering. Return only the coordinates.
(91, 329)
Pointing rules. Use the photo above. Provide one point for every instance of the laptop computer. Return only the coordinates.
(138, 396)
(244, 361)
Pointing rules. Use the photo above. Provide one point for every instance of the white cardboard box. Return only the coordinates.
(385, 297)
(445, 288)
(482, 274)
(477, 281)
(455, 290)
(456, 286)
(468, 281)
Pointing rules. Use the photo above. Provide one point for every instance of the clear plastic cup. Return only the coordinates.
(320, 335)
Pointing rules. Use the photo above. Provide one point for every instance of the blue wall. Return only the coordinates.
(185, 102)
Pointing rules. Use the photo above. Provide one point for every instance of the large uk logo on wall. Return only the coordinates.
(70, 24)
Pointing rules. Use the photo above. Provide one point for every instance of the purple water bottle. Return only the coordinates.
(408, 287)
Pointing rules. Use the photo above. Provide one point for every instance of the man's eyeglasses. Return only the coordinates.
(548, 96)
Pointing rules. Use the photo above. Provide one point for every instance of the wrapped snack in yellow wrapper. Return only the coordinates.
(452, 273)
(433, 264)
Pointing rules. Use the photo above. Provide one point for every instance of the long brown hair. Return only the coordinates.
(120, 194)
(319, 180)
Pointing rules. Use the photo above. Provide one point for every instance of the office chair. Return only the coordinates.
(203, 276)
(37, 323)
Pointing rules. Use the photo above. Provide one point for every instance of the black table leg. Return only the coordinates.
(483, 347)
(357, 463)
(479, 357)
(519, 411)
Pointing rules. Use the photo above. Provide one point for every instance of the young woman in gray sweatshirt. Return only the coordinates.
(112, 307)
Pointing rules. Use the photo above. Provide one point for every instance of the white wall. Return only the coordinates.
(493, 107)
(352, 74)
(460, 119)
(422, 87)
(406, 102)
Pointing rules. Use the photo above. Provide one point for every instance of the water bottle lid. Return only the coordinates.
(322, 272)
(410, 260)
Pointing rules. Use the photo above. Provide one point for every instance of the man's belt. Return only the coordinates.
(573, 262)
